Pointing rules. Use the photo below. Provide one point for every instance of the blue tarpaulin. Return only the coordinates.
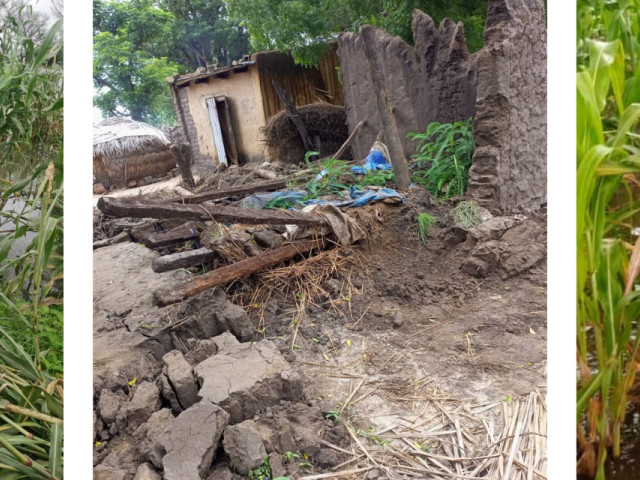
(359, 198)
(261, 200)
(374, 161)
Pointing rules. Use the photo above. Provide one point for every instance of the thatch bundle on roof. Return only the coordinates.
(125, 150)
(283, 142)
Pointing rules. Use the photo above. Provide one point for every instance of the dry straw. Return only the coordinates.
(130, 158)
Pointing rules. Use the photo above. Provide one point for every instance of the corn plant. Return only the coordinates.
(31, 198)
(447, 149)
(31, 400)
(608, 305)
(30, 98)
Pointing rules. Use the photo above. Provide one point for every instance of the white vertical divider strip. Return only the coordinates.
(78, 239)
(561, 259)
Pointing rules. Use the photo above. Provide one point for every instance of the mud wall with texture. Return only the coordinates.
(509, 170)
(434, 81)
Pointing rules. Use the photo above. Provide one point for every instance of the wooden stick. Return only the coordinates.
(353, 392)
(136, 208)
(231, 192)
(266, 174)
(181, 154)
(344, 146)
(293, 114)
(187, 259)
(389, 127)
(224, 275)
(343, 474)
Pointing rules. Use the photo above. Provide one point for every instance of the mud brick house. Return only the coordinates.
(221, 111)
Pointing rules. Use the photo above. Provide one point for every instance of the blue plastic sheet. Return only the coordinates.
(360, 198)
(374, 161)
(261, 200)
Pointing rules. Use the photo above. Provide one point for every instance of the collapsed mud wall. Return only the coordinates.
(503, 87)
(435, 81)
(509, 169)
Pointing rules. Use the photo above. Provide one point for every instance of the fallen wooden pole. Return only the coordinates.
(186, 259)
(224, 275)
(136, 208)
(122, 237)
(231, 192)
(175, 235)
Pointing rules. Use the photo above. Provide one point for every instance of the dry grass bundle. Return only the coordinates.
(329, 122)
(300, 283)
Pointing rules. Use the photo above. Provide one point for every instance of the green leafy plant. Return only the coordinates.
(288, 456)
(377, 178)
(608, 341)
(447, 150)
(263, 472)
(330, 182)
(30, 96)
(333, 414)
(425, 222)
(31, 199)
(467, 214)
(31, 395)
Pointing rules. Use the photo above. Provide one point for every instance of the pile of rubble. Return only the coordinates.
(195, 374)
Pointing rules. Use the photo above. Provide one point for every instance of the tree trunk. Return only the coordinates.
(389, 127)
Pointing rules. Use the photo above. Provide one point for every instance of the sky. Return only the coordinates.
(42, 6)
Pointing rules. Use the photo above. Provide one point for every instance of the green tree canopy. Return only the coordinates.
(304, 26)
(203, 32)
(138, 43)
(132, 40)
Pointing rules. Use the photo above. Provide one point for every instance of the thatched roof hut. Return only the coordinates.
(125, 150)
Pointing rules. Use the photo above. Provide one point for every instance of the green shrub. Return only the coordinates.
(446, 151)
(425, 222)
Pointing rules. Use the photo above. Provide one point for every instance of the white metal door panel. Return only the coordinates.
(217, 131)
